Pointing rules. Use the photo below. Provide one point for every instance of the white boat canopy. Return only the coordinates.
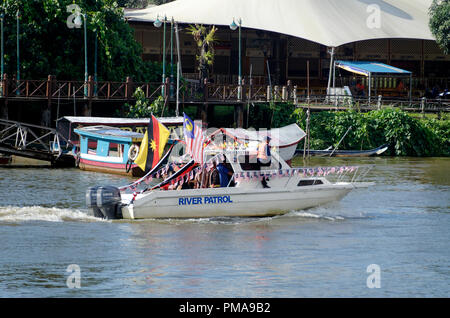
(280, 137)
(328, 22)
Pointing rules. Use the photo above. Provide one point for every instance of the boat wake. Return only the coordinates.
(309, 215)
(13, 214)
(233, 220)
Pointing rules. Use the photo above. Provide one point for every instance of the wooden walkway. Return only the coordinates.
(193, 93)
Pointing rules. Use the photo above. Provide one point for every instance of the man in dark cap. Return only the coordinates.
(264, 158)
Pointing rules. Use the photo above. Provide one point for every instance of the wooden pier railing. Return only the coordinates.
(51, 89)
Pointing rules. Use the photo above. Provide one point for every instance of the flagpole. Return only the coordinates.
(178, 69)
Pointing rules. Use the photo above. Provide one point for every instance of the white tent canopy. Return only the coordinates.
(328, 22)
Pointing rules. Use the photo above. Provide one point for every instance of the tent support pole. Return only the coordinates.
(331, 69)
(334, 84)
(410, 89)
(370, 86)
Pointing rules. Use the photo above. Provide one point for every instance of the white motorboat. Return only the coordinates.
(288, 189)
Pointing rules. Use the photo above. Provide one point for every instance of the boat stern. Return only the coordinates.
(104, 202)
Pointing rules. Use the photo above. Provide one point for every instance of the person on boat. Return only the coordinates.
(264, 158)
(224, 174)
(214, 177)
(360, 88)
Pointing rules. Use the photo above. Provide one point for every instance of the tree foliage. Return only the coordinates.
(143, 108)
(440, 23)
(204, 37)
(406, 135)
(140, 3)
(48, 46)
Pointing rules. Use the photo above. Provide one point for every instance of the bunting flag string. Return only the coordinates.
(305, 172)
(243, 175)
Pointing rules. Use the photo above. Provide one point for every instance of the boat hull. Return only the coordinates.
(345, 153)
(231, 202)
(114, 168)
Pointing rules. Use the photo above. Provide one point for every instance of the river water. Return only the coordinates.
(393, 237)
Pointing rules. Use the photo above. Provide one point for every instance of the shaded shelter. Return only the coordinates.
(373, 69)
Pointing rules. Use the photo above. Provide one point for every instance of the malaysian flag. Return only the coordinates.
(194, 138)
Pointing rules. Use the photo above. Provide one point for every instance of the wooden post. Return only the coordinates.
(204, 113)
(205, 89)
(284, 93)
(166, 88)
(276, 92)
(88, 107)
(422, 106)
(4, 94)
(128, 88)
(48, 92)
(5, 85)
(295, 95)
(90, 87)
(289, 89)
(250, 90)
(379, 102)
(240, 115)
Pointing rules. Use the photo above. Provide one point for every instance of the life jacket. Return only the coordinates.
(262, 151)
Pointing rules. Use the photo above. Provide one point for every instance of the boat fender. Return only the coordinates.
(133, 152)
(128, 165)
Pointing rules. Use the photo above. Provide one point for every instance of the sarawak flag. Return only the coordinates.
(152, 145)
(194, 138)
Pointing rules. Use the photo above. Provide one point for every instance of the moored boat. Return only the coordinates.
(344, 153)
(108, 149)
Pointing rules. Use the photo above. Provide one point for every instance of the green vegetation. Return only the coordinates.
(142, 108)
(440, 23)
(140, 3)
(204, 37)
(48, 46)
(406, 135)
(272, 115)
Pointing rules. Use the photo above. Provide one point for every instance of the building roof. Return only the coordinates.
(328, 22)
(365, 68)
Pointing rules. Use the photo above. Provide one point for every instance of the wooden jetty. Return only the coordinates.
(34, 142)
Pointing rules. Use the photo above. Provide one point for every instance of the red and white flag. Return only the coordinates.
(194, 137)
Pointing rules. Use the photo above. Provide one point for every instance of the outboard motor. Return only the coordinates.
(109, 201)
(91, 201)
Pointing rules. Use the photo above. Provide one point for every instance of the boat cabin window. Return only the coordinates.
(115, 150)
(309, 182)
(248, 162)
(92, 146)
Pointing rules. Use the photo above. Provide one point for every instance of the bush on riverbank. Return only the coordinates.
(405, 134)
